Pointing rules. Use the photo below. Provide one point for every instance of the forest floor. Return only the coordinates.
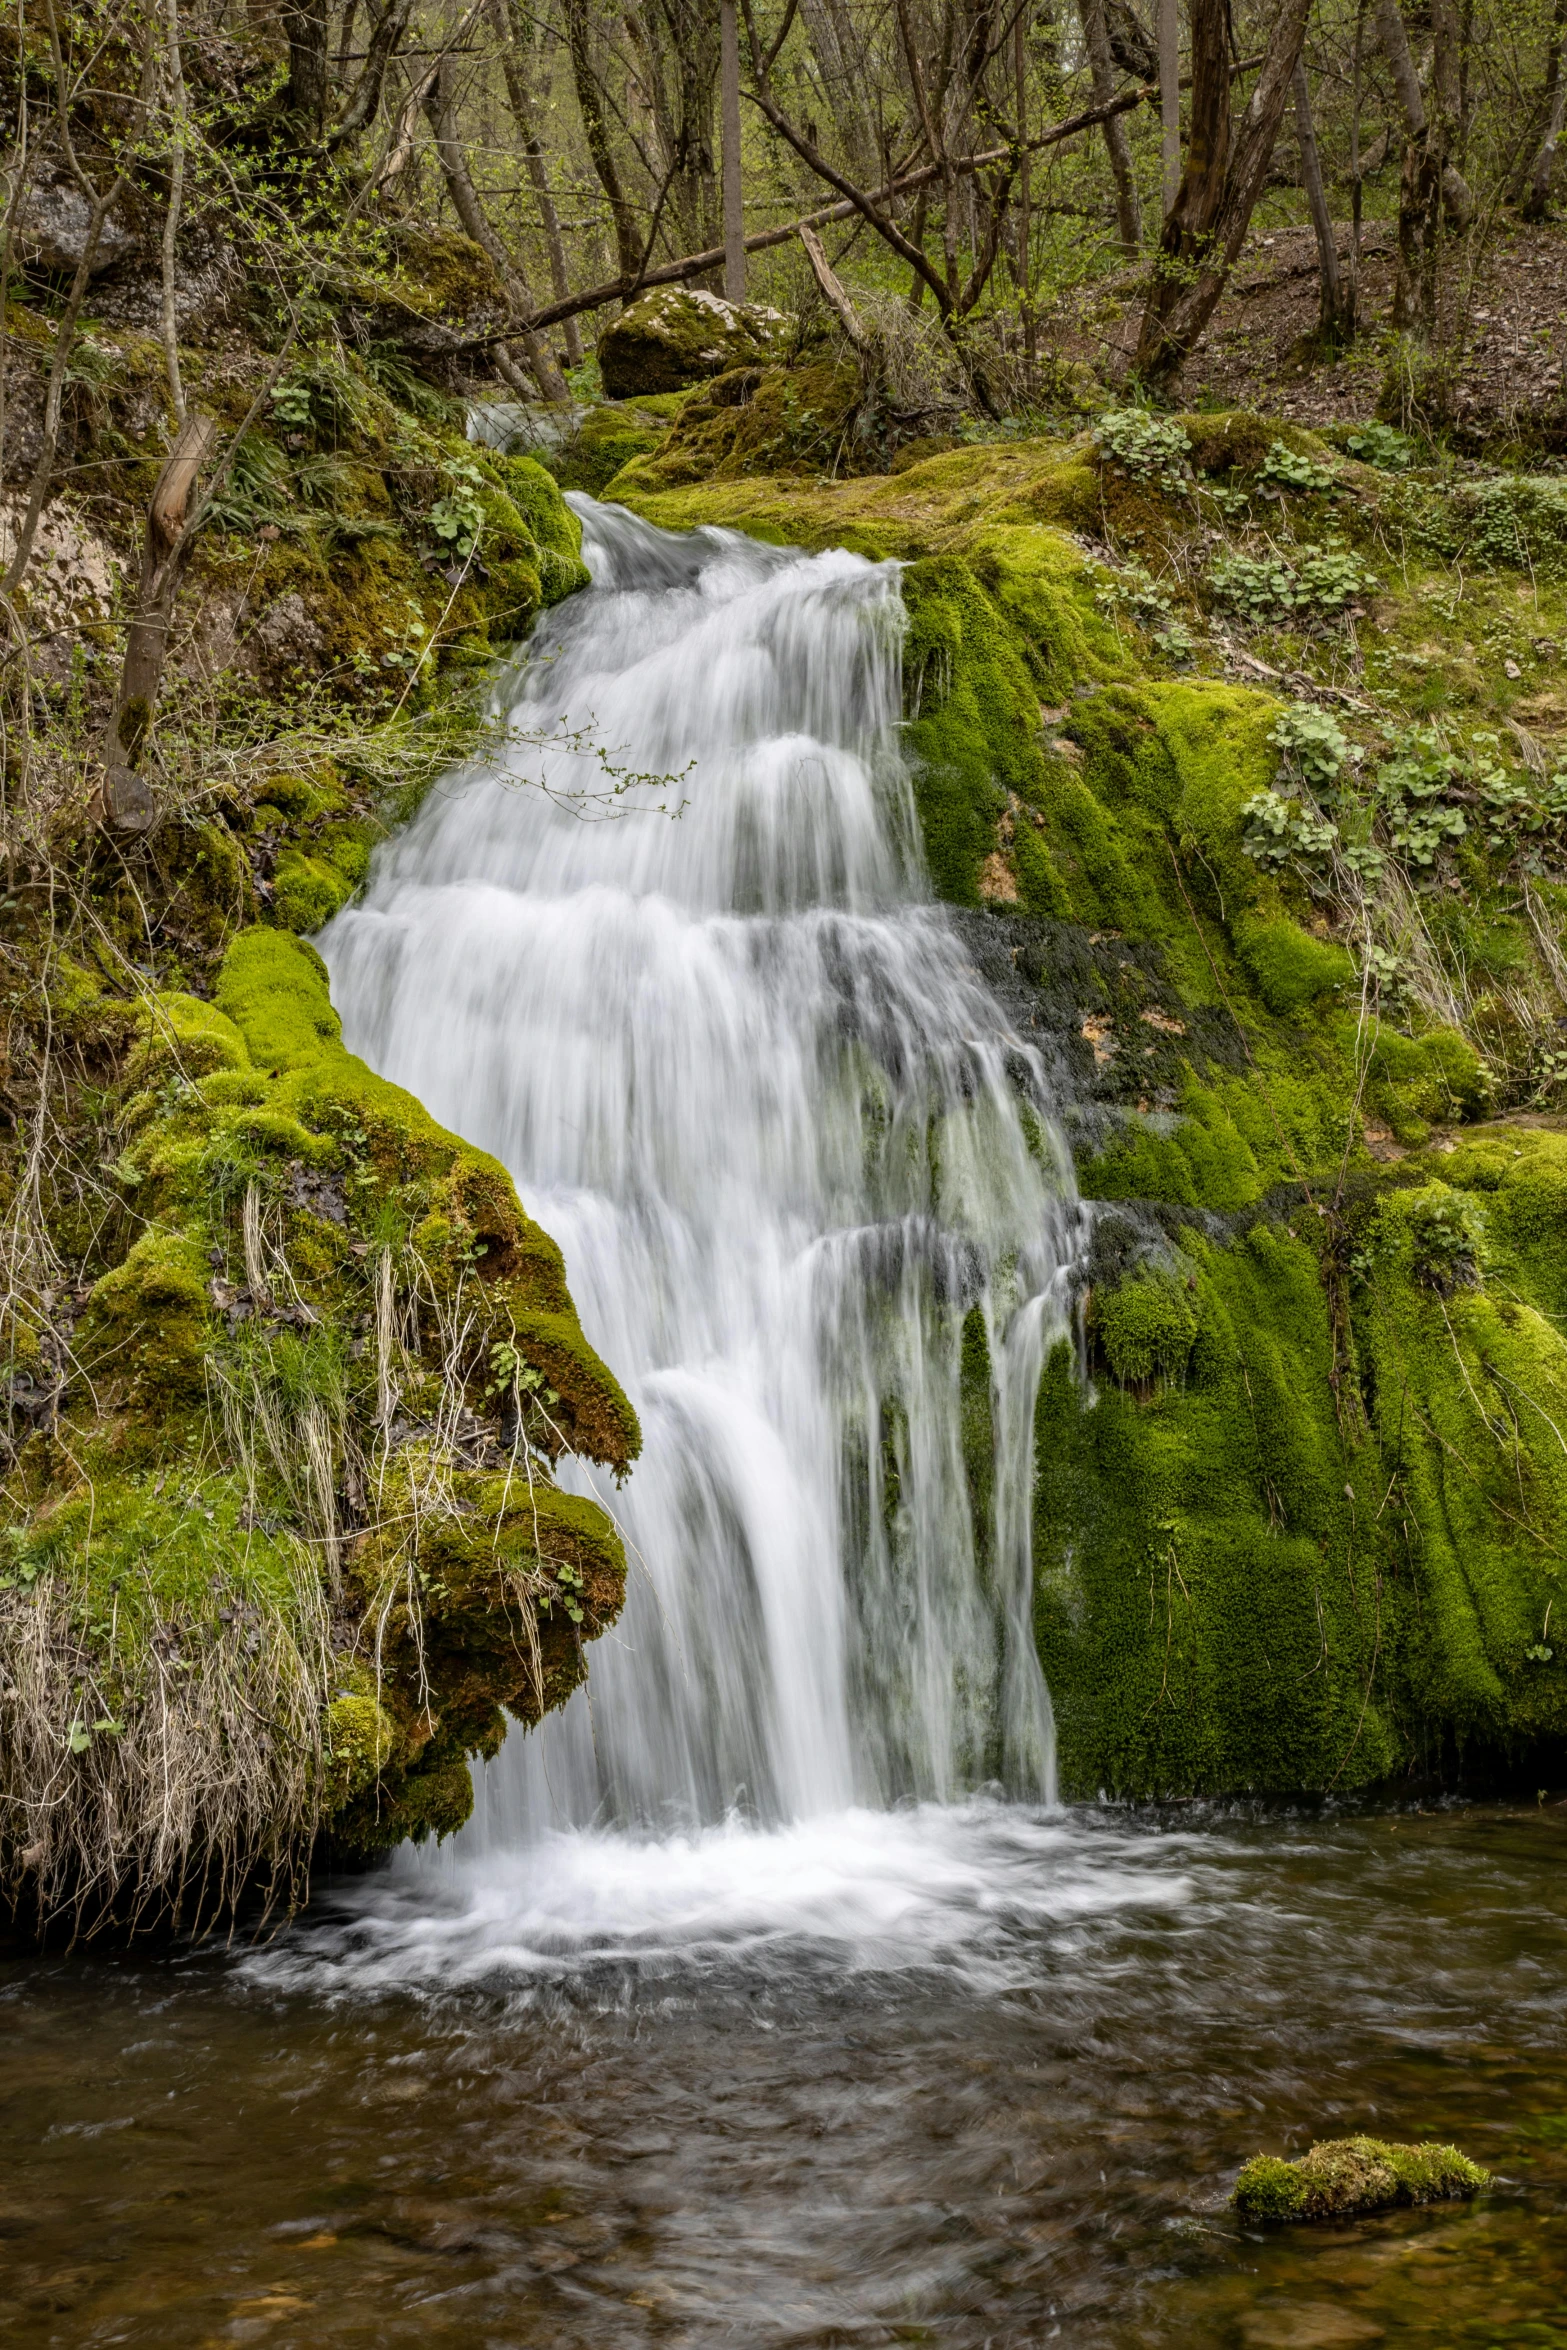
(1511, 303)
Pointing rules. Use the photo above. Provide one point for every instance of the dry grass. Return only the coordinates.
(204, 1782)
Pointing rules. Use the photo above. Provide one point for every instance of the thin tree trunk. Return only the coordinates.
(1170, 97)
(513, 29)
(1336, 316)
(1539, 189)
(734, 192)
(1221, 183)
(123, 798)
(1096, 39)
(174, 94)
(1025, 226)
(541, 360)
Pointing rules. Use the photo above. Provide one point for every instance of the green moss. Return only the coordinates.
(1147, 1328)
(1341, 2177)
(1290, 968)
(147, 1324)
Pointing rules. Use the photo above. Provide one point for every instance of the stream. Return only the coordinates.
(770, 1997)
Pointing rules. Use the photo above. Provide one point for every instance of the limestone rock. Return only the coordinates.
(52, 230)
(679, 335)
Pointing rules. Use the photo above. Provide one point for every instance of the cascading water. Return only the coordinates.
(811, 1205)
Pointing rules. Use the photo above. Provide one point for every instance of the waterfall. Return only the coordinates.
(676, 965)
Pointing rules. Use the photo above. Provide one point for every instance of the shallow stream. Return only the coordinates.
(770, 1998)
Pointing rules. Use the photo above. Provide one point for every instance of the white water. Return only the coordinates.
(740, 1069)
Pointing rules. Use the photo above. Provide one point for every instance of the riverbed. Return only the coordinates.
(980, 2076)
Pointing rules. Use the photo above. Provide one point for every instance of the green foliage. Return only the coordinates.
(1312, 584)
(1382, 445)
(1290, 470)
(1146, 447)
(1312, 745)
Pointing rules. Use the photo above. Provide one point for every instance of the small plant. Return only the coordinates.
(1384, 446)
(457, 519)
(1290, 471)
(1413, 788)
(1146, 447)
(1313, 746)
(1319, 584)
(1279, 832)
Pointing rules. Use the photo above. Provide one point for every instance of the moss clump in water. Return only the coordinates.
(1342, 2177)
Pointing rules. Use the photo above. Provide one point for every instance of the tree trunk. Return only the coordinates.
(1096, 39)
(174, 98)
(123, 797)
(1220, 186)
(1455, 193)
(1538, 193)
(590, 104)
(541, 360)
(513, 29)
(734, 192)
(304, 24)
(1336, 317)
(1170, 96)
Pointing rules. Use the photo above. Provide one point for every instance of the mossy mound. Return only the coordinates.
(679, 335)
(288, 1514)
(1341, 2178)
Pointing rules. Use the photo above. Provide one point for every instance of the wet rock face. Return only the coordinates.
(53, 226)
(681, 335)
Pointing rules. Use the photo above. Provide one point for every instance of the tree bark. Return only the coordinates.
(1170, 97)
(1455, 192)
(123, 797)
(513, 29)
(1096, 39)
(304, 25)
(590, 104)
(1221, 183)
(174, 97)
(1336, 317)
(541, 360)
(365, 103)
(734, 191)
(1538, 193)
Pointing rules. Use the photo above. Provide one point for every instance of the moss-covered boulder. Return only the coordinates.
(1342, 2178)
(679, 335)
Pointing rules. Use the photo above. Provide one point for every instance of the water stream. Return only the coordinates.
(740, 1069)
(769, 1998)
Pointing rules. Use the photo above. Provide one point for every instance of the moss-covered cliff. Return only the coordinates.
(1239, 748)
(287, 1366)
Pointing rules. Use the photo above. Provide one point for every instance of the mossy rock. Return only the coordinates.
(679, 335)
(1343, 2178)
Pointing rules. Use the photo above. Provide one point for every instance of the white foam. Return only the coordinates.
(972, 1889)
